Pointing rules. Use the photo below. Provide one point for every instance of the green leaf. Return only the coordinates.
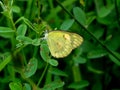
(53, 62)
(90, 18)
(96, 53)
(77, 56)
(30, 24)
(15, 86)
(5, 61)
(15, 9)
(56, 71)
(21, 30)
(79, 85)
(44, 51)
(6, 32)
(66, 24)
(30, 68)
(53, 85)
(36, 42)
(80, 15)
(27, 87)
(98, 33)
(104, 11)
(79, 60)
(25, 40)
(94, 70)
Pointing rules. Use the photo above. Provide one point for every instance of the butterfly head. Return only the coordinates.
(45, 34)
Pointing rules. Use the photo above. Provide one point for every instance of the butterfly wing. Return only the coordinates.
(76, 40)
(59, 43)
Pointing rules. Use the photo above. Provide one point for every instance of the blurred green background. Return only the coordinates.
(25, 60)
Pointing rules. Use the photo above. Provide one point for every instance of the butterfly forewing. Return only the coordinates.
(59, 44)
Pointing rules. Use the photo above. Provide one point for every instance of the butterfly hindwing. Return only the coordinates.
(76, 40)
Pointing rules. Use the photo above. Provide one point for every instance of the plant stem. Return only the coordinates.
(76, 73)
(42, 75)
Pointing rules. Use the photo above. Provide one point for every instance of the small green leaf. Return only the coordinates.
(19, 45)
(44, 51)
(80, 15)
(15, 9)
(30, 24)
(15, 86)
(5, 61)
(21, 30)
(66, 24)
(27, 87)
(6, 32)
(30, 68)
(25, 40)
(90, 18)
(53, 85)
(94, 70)
(96, 53)
(79, 85)
(105, 10)
(56, 71)
(98, 33)
(79, 60)
(36, 42)
(53, 62)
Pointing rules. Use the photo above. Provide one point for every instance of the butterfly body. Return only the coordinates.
(61, 43)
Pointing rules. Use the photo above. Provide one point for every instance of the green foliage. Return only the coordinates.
(80, 15)
(53, 85)
(26, 62)
(15, 86)
(79, 85)
(67, 24)
(6, 32)
(30, 68)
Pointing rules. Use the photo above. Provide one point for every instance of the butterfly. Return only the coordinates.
(61, 43)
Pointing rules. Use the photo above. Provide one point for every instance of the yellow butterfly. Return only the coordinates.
(61, 43)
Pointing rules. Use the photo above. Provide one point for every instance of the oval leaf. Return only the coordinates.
(27, 86)
(36, 42)
(15, 86)
(79, 85)
(80, 15)
(21, 30)
(53, 62)
(79, 60)
(53, 85)
(23, 39)
(96, 53)
(6, 32)
(67, 24)
(6, 60)
(44, 51)
(56, 71)
(31, 68)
